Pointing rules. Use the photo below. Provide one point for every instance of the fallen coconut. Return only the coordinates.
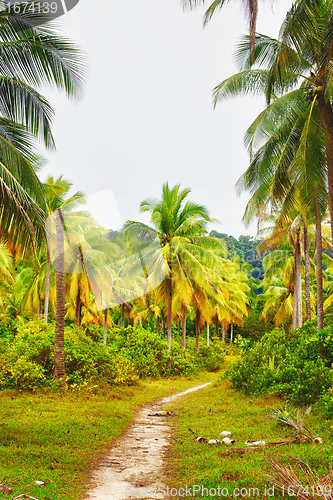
(227, 441)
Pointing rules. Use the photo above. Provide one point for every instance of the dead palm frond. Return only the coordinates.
(286, 479)
(294, 419)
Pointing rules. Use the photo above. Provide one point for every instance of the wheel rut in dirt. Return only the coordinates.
(134, 465)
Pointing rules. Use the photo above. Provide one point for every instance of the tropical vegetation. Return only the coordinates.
(93, 309)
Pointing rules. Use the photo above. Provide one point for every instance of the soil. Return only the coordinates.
(133, 468)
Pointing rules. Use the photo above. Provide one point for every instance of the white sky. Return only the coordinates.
(147, 114)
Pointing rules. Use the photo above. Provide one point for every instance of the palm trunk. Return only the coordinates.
(216, 327)
(78, 309)
(105, 327)
(197, 330)
(319, 249)
(307, 273)
(329, 156)
(59, 356)
(207, 335)
(184, 326)
(169, 316)
(47, 286)
(232, 333)
(297, 309)
(123, 315)
(224, 331)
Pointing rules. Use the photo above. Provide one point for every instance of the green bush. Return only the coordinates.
(291, 364)
(325, 404)
(26, 362)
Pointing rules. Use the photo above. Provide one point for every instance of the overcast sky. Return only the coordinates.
(147, 115)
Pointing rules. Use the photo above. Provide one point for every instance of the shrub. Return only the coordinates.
(26, 362)
(325, 404)
(286, 363)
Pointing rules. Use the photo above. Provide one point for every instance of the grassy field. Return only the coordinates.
(217, 408)
(58, 438)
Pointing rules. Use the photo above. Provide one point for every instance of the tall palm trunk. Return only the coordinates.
(105, 327)
(169, 316)
(78, 307)
(184, 325)
(231, 332)
(207, 335)
(47, 285)
(216, 327)
(297, 309)
(329, 156)
(307, 273)
(197, 330)
(59, 356)
(319, 252)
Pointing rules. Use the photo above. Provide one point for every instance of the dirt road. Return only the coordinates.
(134, 465)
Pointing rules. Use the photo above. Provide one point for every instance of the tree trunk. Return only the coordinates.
(297, 308)
(184, 326)
(224, 331)
(216, 327)
(78, 309)
(169, 316)
(105, 327)
(232, 333)
(164, 332)
(158, 325)
(307, 273)
(59, 356)
(197, 330)
(47, 286)
(319, 249)
(207, 335)
(123, 315)
(329, 156)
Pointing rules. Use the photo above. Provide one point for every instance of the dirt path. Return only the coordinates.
(135, 463)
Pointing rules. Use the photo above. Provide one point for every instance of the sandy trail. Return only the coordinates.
(134, 464)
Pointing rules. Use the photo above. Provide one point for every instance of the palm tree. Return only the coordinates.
(57, 196)
(301, 57)
(251, 7)
(180, 229)
(30, 58)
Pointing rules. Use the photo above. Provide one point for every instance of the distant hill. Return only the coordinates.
(246, 249)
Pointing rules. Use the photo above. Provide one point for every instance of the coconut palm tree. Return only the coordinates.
(251, 7)
(287, 141)
(57, 196)
(300, 59)
(179, 226)
(30, 58)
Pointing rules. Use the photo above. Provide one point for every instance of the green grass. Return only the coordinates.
(217, 408)
(59, 438)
